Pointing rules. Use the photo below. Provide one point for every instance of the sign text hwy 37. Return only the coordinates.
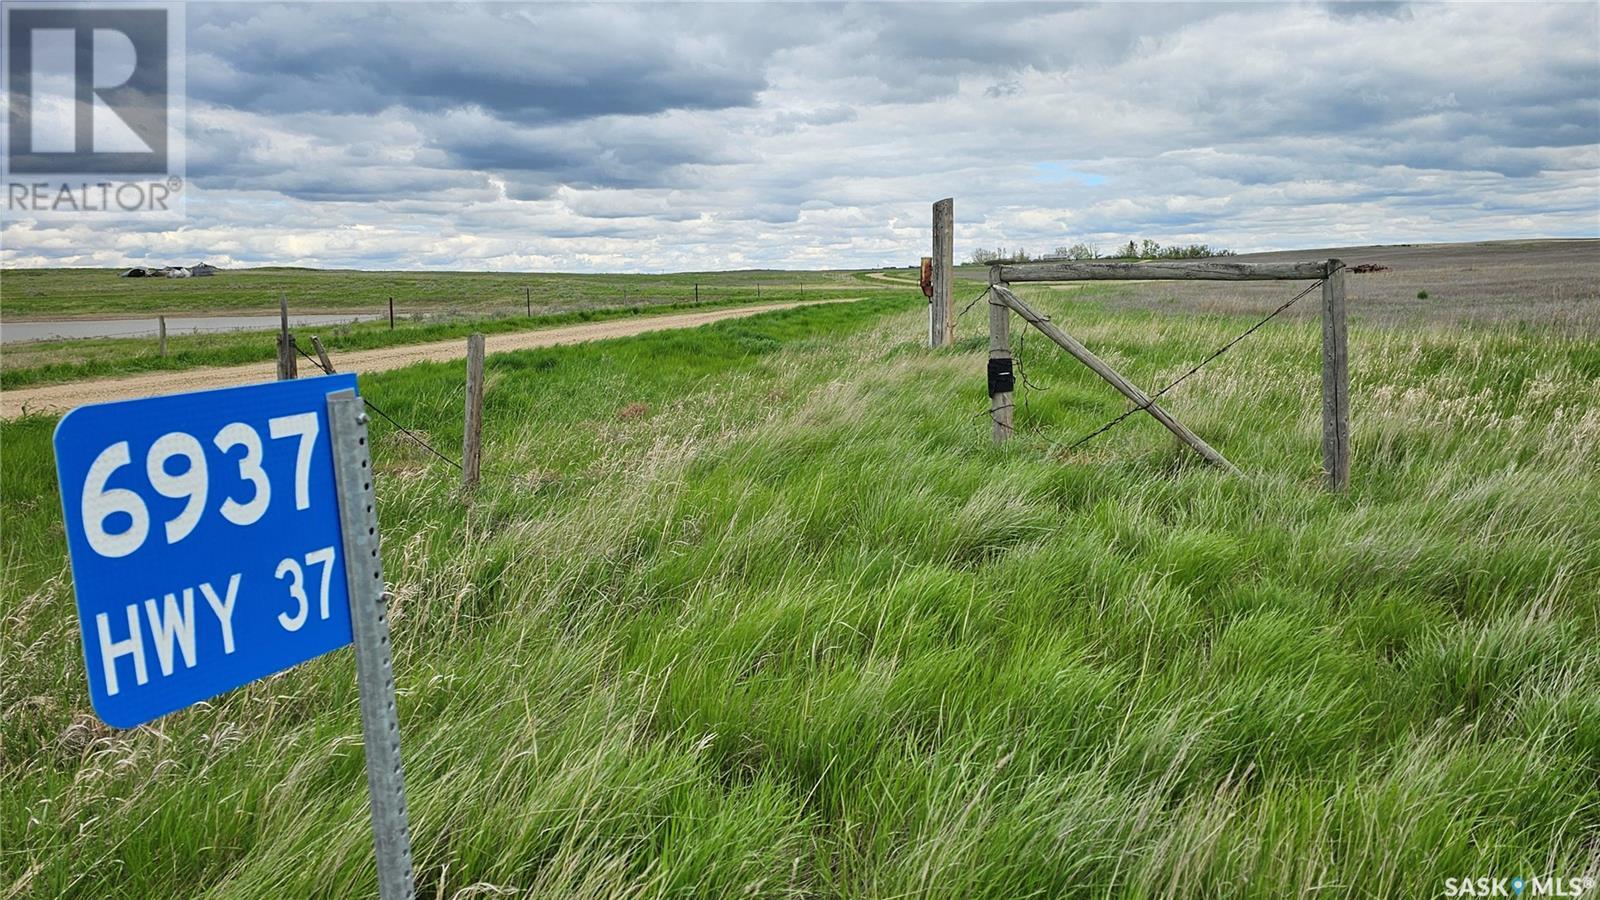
(205, 541)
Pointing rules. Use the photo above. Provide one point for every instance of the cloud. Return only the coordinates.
(531, 64)
(659, 137)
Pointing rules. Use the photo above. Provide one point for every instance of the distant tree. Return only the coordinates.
(985, 257)
(1192, 251)
(1078, 251)
(1148, 249)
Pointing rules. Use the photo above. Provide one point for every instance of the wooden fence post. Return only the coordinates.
(391, 313)
(327, 364)
(941, 321)
(472, 437)
(1002, 381)
(1335, 381)
(527, 296)
(287, 367)
(161, 327)
(697, 292)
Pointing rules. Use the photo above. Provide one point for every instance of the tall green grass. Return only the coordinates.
(758, 609)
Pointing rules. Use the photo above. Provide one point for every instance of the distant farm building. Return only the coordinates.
(195, 271)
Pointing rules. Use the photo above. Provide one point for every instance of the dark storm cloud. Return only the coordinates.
(529, 64)
(1007, 36)
(580, 160)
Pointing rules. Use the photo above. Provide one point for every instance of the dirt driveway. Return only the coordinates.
(61, 397)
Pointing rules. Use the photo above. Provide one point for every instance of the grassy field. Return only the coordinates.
(58, 293)
(1549, 284)
(429, 307)
(48, 362)
(758, 609)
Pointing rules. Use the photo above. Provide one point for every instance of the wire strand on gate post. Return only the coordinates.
(1145, 406)
(971, 304)
(388, 418)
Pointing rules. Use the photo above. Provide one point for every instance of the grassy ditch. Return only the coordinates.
(758, 608)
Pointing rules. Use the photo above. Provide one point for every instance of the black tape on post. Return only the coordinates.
(1001, 381)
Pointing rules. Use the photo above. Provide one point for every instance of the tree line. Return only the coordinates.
(1132, 250)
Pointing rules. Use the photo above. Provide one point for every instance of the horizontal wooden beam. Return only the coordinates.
(1098, 366)
(1159, 270)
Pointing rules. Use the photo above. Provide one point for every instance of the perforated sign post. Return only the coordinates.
(221, 536)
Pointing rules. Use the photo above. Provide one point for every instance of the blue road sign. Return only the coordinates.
(205, 541)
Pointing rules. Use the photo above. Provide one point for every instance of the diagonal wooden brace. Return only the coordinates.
(1098, 366)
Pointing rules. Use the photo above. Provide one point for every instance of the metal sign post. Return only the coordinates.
(369, 621)
(207, 532)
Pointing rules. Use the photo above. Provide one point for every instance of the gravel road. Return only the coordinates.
(61, 397)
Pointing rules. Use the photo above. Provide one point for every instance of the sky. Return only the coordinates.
(613, 137)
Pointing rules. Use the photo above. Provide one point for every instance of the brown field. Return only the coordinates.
(1546, 283)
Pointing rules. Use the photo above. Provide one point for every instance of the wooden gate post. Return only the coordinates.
(941, 321)
(161, 325)
(288, 369)
(1335, 381)
(1002, 382)
(288, 366)
(472, 437)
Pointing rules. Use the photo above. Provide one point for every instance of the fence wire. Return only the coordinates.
(390, 419)
(970, 304)
(1143, 407)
